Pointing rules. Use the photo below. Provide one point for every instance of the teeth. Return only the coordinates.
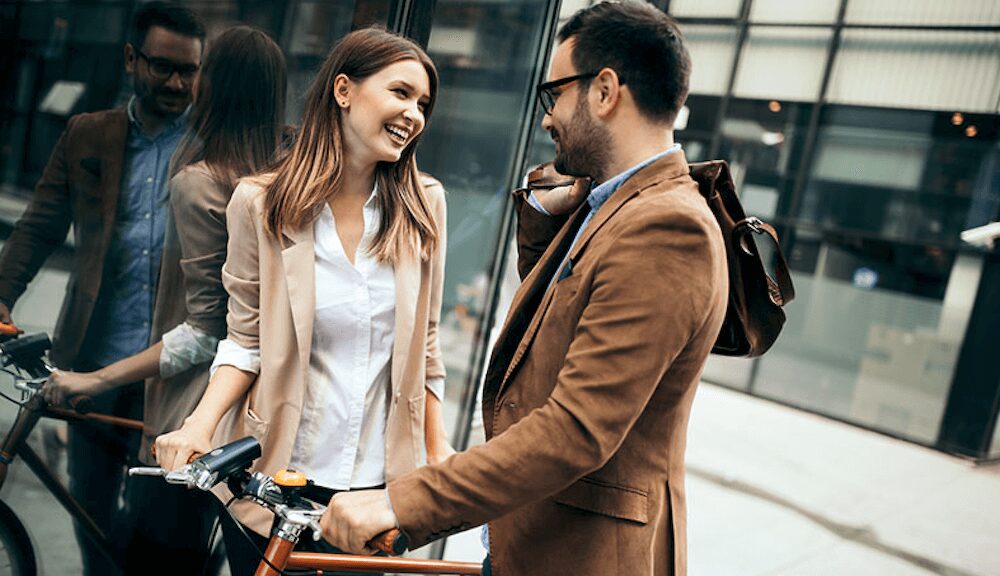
(399, 133)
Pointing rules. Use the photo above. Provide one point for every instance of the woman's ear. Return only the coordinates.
(343, 88)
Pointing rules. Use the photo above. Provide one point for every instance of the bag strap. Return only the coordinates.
(781, 288)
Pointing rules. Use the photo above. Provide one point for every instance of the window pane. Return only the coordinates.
(883, 288)
(935, 12)
(813, 11)
(705, 8)
(712, 49)
(486, 54)
(782, 63)
(918, 69)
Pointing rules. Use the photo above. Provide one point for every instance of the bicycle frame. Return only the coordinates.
(287, 533)
(15, 444)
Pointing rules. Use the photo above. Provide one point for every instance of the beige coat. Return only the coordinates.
(271, 289)
(189, 290)
(588, 392)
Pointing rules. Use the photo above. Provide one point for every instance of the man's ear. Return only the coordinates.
(130, 57)
(609, 92)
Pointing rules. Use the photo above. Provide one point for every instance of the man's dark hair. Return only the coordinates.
(642, 45)
(169, 15)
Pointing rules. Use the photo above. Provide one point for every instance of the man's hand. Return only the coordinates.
(564, 199)
(354, 518)
(560, 200)
(63, 385)
(5, 314)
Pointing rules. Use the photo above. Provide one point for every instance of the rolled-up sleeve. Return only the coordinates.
(232, 354)
(185, 347)
(241, 272)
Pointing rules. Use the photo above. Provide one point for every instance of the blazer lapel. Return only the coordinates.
(299, 262)
(526, 303)
(406, 272)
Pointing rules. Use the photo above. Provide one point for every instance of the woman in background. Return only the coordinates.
(235, 128)
(335, 273)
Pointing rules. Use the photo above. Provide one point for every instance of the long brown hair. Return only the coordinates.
(237, 118)
(310, 173)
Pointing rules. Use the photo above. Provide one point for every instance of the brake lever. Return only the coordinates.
(180, 476)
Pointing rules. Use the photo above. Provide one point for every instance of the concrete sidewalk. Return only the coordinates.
(773, 491)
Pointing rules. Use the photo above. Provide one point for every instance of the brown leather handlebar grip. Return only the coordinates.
(392, 542)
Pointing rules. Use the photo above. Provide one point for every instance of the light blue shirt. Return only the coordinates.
(123, 313)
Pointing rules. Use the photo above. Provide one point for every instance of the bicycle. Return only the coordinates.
(22, 357)
(288, 496)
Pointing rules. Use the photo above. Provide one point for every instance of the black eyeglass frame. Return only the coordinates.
(546, 96)
(163, 69)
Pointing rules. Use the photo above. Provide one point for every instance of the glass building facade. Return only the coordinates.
(866, 131)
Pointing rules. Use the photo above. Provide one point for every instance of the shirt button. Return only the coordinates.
(148, 215)
(145, 252)
(149, 180)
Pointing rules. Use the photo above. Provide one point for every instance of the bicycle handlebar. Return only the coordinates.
(229, 464)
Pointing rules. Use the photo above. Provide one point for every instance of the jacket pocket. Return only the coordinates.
(254, 424)
(607, 499)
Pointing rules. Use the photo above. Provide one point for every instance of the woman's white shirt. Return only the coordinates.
(341, 437)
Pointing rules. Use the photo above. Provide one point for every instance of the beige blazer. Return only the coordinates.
(189, 290)
(271, 289)
(588, 392)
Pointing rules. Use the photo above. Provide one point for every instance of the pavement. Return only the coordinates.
(774, 491)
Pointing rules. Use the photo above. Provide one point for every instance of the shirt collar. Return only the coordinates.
(133, 118)
(600, 193)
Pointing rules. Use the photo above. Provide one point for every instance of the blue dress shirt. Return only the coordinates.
(123, 313)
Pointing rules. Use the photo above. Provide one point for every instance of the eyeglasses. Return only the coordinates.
(163, 69)
(547, 93)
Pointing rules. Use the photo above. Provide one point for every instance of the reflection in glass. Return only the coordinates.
(486, 55)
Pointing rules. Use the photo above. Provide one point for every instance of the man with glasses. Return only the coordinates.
(587, 395)
(107, 178)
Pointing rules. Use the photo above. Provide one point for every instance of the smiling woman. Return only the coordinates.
(335, 270)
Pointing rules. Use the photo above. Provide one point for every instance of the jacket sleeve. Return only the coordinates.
(198, 204)
(434, 364)
(625, 342)
(42, 228)
(241, 272)
(534, 232)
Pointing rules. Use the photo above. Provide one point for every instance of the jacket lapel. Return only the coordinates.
(299, 262)
(406, 272)
(527, 299)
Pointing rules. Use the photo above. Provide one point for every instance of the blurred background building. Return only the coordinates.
(865, 130)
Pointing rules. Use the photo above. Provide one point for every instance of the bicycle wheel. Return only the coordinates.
(17, 558)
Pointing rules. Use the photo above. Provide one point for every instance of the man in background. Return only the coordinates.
(107, 178)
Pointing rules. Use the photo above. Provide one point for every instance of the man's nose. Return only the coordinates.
(546, 121)
(175, 81)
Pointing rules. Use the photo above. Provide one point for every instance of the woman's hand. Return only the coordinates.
(439, 451)
(175, 449)
(63, 385)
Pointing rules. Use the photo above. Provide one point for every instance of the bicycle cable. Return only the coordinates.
(263, 557)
